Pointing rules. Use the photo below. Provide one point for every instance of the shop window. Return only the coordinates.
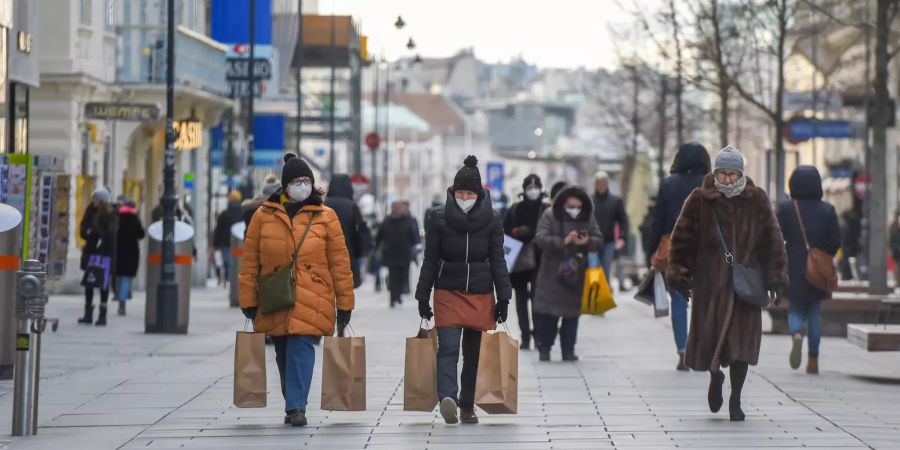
(111, 15)
(86, 11)
(20, 116)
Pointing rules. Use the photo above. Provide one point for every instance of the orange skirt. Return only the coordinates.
(464, 310)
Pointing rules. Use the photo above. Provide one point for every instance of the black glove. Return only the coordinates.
(501, 311)
(524, 233)
(249, 313)
(343, 318)
(425, 310)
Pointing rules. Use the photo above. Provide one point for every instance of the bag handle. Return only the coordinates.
(802, 226)
(729, 257)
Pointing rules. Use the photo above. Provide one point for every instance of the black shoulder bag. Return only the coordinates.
(749, 286)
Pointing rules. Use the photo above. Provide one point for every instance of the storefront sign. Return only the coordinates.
(239, 69)
(189, 134)
(137, 112)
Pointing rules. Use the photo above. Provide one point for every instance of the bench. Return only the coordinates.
(879, 336)
(843, 309)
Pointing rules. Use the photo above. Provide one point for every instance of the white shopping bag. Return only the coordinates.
(660, 296)
(511, 248)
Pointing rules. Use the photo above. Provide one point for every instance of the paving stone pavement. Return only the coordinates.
(119, 388)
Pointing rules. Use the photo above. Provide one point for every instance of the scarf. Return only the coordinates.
(732, 190)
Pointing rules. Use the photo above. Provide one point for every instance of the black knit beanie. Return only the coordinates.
(468, 178)
(532, 179)
(295, 167)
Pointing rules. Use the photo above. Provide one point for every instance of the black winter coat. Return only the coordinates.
(129, 253)
(356, 231)
(822, 229)
(99, 230)
(222, 234)
(609, 210)
(522, 218)
(690, 166)
(397, 238)
(464, 252)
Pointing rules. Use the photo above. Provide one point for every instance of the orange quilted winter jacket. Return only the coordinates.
(322, 268)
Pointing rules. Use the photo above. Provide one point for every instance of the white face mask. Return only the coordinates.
(466, 205)
(573, 212)
(533, 194)
(299, 191)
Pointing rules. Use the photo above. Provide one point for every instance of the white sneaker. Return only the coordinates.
(449, 410)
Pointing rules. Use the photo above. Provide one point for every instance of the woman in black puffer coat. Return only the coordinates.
(521, 223)
(465, 264)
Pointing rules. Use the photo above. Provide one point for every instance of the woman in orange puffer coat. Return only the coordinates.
(324, 282)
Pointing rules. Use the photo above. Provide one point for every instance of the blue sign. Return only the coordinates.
(804, 129)
(269, 142)
(495, 176)
(319, 152)
(230, 24)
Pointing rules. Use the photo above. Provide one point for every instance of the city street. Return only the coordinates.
(119, 388)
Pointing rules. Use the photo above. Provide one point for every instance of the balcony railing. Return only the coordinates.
(199, 60)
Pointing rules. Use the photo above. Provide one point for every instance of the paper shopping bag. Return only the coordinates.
(497, 385)
(250, 370)
(660, 296)
(597, 298)
(420, 372)
(344, 374)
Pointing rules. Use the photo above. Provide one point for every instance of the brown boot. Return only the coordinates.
(796, 349)
(812, 365)
(467, 415)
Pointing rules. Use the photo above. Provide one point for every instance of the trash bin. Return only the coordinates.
(237, 251)
(10, 235)
(184, 258)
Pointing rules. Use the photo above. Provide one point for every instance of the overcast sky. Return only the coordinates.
(550, 33)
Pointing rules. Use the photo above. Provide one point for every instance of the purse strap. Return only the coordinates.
(302, 238)
(729, 257)
(802, 226)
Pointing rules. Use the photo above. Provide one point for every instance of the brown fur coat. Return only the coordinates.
(724, 329)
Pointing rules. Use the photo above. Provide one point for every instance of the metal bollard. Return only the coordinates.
(10, 247)
(31, 301)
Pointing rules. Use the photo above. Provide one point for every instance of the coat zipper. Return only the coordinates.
(468, 268)
(441, 269)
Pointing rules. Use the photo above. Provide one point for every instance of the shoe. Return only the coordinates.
(449, 411)
(287, 418)
(714, 397)
(796, 349)
(101, 317)
(682, 366)
(297, 418)
(734, 409)
(467, 415)
(88, 318)
(544, 354)
(122, 308)
(812, 365)
(570, 357)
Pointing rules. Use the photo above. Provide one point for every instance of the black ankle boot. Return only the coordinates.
(714, 397)
(101, 317)
(734, 409)
(88, 315)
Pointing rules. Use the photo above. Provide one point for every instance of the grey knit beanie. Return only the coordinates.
(102, 194)
(730, 158)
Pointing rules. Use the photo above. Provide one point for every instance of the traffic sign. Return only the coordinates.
(373, 141)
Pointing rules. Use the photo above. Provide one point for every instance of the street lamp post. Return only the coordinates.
(167, 290)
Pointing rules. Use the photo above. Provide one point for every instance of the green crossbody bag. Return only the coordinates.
(275, 292)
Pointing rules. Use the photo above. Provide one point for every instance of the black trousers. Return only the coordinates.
(398, 277)
(523, 285)
(548, 326)
(89, 297)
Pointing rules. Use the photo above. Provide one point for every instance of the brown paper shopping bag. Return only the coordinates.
(497, 386)
(250, 370)
(420, 372)
(344, 374)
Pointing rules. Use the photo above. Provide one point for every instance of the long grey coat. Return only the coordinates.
(552, 297)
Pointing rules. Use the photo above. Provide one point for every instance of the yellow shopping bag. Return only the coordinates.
(597, 298)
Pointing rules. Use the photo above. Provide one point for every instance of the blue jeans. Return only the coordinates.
(123, 287)
(297, 355)
(448, 359)
(226, 262)
(679, 312)
(807, 317)
(607, 256)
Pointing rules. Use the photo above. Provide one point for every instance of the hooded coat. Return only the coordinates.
(724, 329)
(822, 229)
(552, 297)
(691, 164)
(464, 252)
(324, 279)
(127, 249)
(356, 231)
(222, 233)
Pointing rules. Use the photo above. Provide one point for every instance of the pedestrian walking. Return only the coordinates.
(689, 168)
(397, 238)
(356, 232)
(609, 211)
(465, 264)
(270, 185)
(895, 247)
(725, 223)
(565, 234)
(99, 227)
(294, 221)
(128, 252)
(818, 229)
(233, 214)
(521, 223)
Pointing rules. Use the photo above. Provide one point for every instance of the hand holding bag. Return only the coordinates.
(275, 292)
(820, 270)
(420, 372)
(497, 385)
(344, 374)
(749, 286)
(596, 298)
(250, 370)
